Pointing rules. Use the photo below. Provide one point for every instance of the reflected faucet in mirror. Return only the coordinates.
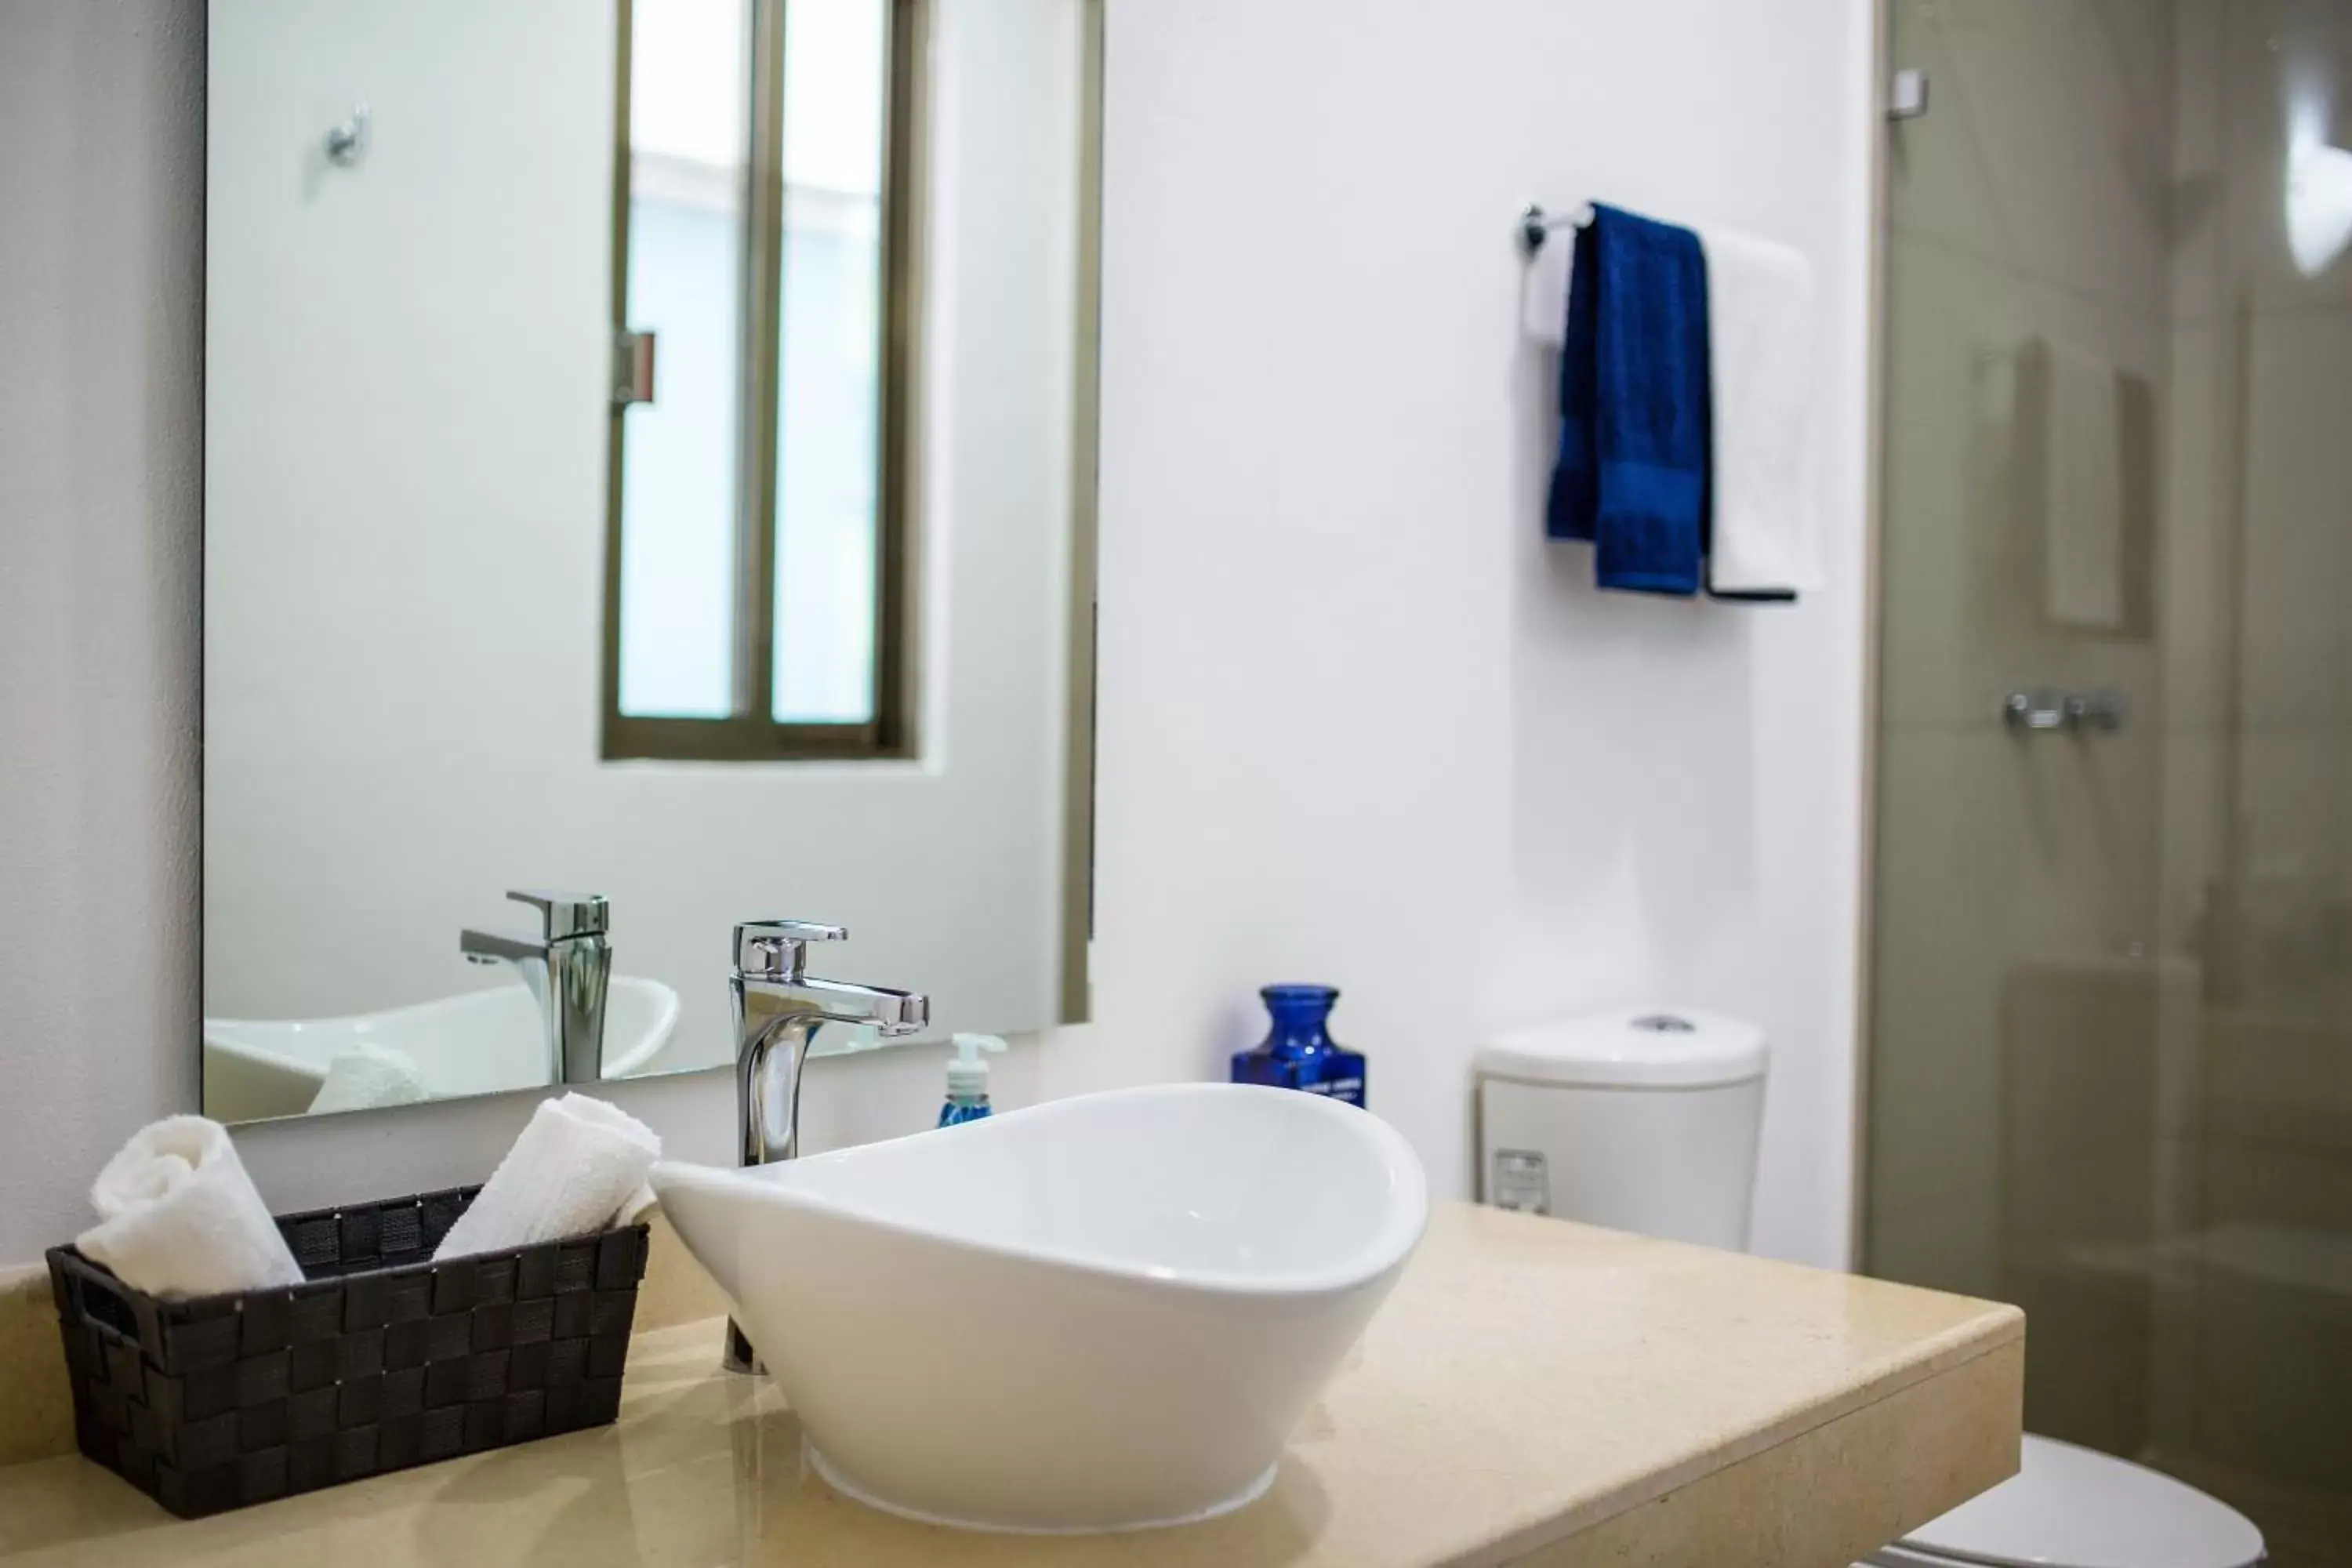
(779, 1009)
(567, 968)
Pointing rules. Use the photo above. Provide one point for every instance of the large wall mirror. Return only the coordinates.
(648, 486)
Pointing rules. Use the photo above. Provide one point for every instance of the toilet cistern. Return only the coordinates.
(1643, 1120)
(778, 1010)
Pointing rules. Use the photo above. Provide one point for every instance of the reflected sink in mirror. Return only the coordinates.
(1107, 1312)
(478, 1042)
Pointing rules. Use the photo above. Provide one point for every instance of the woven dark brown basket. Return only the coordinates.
(383, 1359)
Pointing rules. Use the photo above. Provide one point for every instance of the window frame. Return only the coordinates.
(752, 733)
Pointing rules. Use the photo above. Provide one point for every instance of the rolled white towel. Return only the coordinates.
(578, 1164)
(178, 1216)
(368, 1076)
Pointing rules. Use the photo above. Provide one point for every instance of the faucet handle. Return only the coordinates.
(778, 950)
(564, 914)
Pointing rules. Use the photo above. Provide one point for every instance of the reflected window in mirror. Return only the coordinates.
(757, 547)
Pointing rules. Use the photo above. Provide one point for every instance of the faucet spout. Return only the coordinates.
(499, 947)
(566, 968)
(775, 1026)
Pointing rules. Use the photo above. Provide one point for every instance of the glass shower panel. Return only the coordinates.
(2111, 1016)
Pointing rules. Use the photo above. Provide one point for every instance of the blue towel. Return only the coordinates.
(1631, 473)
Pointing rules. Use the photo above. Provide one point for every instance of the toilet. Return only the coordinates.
(1646, 1119)
(2074, 1507)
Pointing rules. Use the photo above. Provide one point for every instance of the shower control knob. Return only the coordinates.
(2029, 709)
(2032, 708)
(2100, 710)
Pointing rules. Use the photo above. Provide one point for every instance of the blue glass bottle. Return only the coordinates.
(1298, 1051)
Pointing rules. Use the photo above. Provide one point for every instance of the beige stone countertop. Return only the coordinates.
(1533, 1391)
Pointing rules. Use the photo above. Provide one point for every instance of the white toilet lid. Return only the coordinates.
(2073, 1508)
(1634, 1047)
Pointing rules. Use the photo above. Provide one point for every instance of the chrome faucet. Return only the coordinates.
(772, 1045)
(566, 968)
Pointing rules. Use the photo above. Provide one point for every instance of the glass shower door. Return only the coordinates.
(2111, 1002)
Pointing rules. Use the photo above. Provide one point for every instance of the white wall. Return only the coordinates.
(102, 272)
(1357, 721)
(405, 511)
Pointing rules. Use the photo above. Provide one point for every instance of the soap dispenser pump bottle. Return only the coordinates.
(968, 1079)
(1298, 1051)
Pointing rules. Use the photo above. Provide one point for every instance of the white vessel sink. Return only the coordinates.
(1103, 1313)
(476, 1043)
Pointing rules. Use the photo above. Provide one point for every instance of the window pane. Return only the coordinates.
(836, 56)
(689, 98)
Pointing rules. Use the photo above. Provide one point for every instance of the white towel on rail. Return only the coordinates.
(1760, 348)
(1543, 289)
